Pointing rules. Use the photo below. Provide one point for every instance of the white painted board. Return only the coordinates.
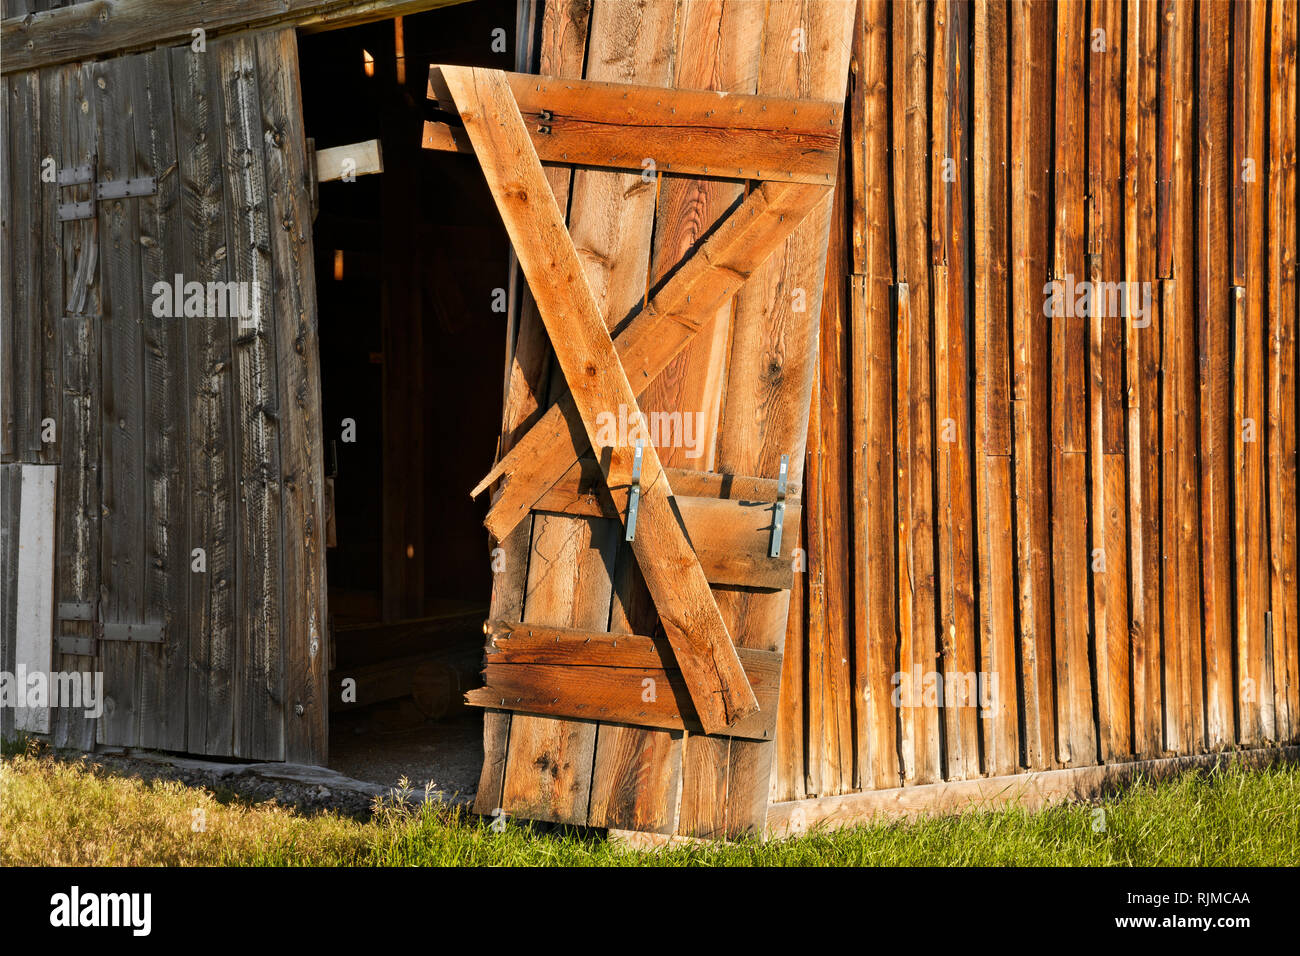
(34, 631)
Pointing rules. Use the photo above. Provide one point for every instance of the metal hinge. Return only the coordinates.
(103, 189)
(778, 512)
(135, 631)
(138, 632)
(76, 643)
(634, 494)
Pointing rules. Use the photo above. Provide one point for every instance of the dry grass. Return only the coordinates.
(54, 813)
(59, 813)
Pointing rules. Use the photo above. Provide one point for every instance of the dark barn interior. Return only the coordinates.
(408, 268)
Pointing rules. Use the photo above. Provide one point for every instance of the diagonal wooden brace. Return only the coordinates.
(598, 383)
(693, 132)
(653, 338)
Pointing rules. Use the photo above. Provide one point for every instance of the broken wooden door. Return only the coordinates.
(191, 564)
(634, 653)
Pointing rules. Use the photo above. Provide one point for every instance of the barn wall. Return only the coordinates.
(174, 433)
(1099, 512)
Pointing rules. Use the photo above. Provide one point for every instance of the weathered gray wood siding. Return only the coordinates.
(174, 433)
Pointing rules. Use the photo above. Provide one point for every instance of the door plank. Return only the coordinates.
(1282, 369)
(595, 675)
(122, 422)
(993, 447)
(1031, 150)
(196, 94)
(548, 765)
(298, 377)
(162, 680)
(685, 131)
(563, 50)
(1214, 338)
(79, 506)
(920, 732)
(770, 371)
(257, 669)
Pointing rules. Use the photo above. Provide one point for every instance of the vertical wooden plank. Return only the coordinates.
(1250, 229)
(1214, 325)
(769, 388)
(548, 766)
(872, 364)
(950, 230)
(121, 371)
(612, 214)
(212, 624)
(562, 52)
(834, 358)
(636, 777)
(79, 341)
(800, 739)
(46, 196)
(1282, 369)
(1106, 367)
(1165, 147)
(1076, 732)
(298, 357)
(828, 463)
(705, 760)
(814, 480)
(993, 417)
(48, 246)
(1032, 26)
(25, 213)
(258, 670)
(715, 47)
(611, 223)
(508, 586)
(162, 674)
(8, 252)
(1184, 726)
(916, 559)
(1142, 353)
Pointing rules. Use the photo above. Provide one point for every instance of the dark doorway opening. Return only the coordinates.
(409, 264)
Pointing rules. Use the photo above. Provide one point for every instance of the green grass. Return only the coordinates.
(59, 813)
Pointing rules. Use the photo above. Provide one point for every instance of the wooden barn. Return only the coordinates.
(872, 406)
